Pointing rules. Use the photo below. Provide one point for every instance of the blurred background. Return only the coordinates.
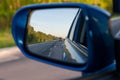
(9, 7)
(13, 65)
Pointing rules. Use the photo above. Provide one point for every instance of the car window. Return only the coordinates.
(72, 31)
(78, 33)
(81, 35)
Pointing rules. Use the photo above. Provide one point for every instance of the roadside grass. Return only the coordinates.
(115, 15)
(6, 39)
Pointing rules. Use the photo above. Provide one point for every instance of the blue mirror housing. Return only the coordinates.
(100, 52)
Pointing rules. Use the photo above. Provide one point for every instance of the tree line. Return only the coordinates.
(38, 37)
(9, 7)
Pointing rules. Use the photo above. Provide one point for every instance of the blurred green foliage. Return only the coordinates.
(6, 39)
(9, 7)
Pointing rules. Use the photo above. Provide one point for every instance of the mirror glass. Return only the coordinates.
(47, 30)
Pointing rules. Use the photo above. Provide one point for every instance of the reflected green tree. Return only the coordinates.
(38, 37)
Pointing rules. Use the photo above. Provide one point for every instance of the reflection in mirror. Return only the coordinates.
(47, 30)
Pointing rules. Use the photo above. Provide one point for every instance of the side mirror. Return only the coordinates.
(46, 32)
(68, 35)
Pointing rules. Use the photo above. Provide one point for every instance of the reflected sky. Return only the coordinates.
(55, 21)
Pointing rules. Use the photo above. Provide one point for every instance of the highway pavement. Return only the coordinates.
(22, 68)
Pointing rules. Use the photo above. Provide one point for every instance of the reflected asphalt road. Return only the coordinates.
(57, 51)
(53, 49)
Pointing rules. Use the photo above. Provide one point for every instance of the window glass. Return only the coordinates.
(71, 35)
(81, 35)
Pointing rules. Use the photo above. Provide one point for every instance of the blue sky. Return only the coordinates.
(56, 21)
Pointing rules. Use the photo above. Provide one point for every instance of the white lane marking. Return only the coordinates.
(64, 56)
(49, 54)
